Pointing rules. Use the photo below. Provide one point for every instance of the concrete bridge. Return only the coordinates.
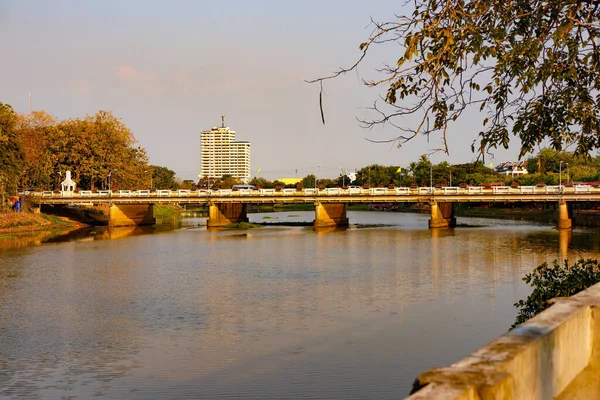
(127, 207)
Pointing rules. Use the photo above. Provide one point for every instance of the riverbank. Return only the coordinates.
(581, 218)
(527, 214)
(15, 224)
(167, 210)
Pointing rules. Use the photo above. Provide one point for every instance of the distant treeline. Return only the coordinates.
(548, 166)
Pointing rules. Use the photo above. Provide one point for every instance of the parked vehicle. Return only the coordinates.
(240, 187)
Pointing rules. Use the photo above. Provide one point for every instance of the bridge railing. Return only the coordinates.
(380, 191)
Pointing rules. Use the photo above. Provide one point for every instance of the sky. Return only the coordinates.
(171, 69)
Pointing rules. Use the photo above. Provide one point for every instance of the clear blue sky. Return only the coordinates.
(170, 69)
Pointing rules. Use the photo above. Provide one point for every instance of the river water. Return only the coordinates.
(269, 313)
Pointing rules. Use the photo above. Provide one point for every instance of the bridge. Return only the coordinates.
(135, 207)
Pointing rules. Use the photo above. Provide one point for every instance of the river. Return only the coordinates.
(267, 313)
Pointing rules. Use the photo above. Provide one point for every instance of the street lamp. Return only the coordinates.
(568, 174)
(316, 174)
(560, 175)
(431, 177)
(109, 186)
(450, 169)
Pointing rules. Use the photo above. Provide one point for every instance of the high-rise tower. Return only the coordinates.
(221, 155)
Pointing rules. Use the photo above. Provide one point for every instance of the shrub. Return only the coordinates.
(555, 281)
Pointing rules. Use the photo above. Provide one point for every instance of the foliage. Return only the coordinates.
(343, 180)
(11, 153)
(263, 183)
(555, 281)
(532, 66)
(163, 178)
(93, 147)
(90, 148)
(188, 184)
(308, 181)
(227, 181)
(376, 175)
(328, 183)
(242, 225)
(38, 165)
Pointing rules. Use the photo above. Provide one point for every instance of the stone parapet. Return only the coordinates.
(552, 356)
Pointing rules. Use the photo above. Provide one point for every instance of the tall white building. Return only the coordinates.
(221, 155)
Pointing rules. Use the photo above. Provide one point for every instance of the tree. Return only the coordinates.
(377, 175)
(32, 130)
(163, 178)
(421, 171)
(309, 181)
(11, 153)
(263, 183)
(227, 181)
(555, 281)
(532, 66)
(343, 180)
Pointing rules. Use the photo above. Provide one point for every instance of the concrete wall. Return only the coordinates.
(442, 215)
(553, 355)
(330, 215)
(223, 214)
(131, 214)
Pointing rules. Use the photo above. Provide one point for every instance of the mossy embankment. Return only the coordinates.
(166, 210)
(242, 225)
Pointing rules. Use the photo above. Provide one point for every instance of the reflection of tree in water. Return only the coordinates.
(38, 237)
(84, 234)
(77, 317)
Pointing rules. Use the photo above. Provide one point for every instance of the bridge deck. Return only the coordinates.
(323, 198)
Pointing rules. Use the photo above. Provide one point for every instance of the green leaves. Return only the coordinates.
(534, 63)
(555, 281)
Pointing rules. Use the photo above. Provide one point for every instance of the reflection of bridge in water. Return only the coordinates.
(126, 207)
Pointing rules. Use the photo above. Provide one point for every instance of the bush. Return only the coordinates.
(555, 281)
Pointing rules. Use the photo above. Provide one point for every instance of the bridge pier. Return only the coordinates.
(223, 214)
(565, 213)
(330, 214)
(131, 214)
(442, 215)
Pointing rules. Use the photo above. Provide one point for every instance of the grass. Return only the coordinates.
(11, 219)
(294, 207)
(242, 225)
(25, 223)
(164, 210)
